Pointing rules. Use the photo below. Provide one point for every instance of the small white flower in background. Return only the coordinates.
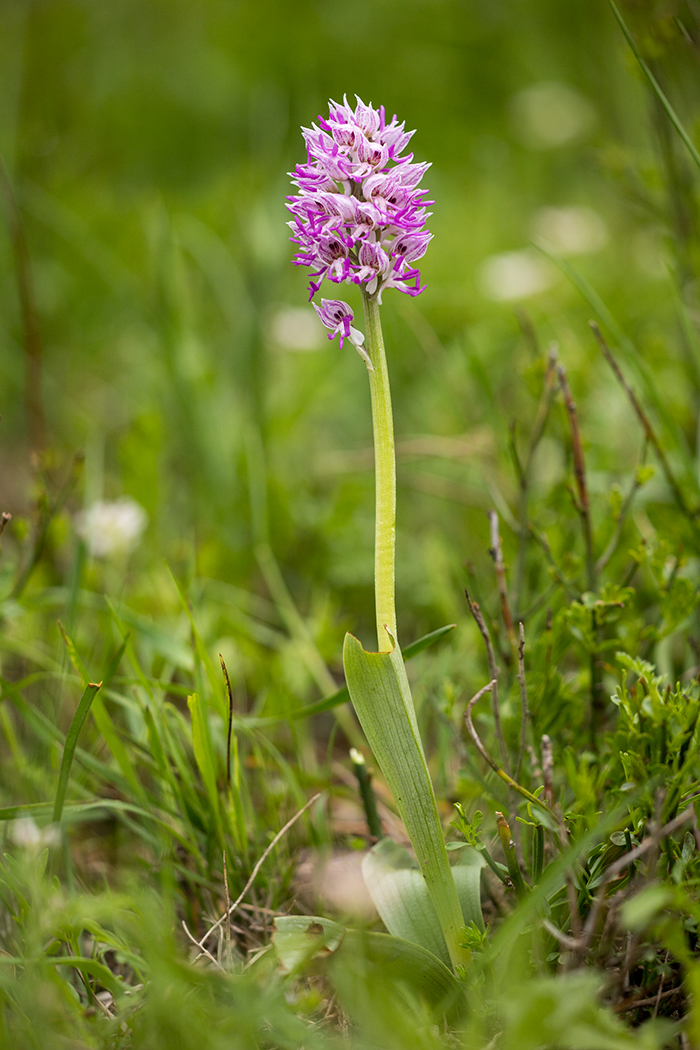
(296, 328)
(550, 114)
(514, 275)
(110, 527)
(570, 231)
(26, 833)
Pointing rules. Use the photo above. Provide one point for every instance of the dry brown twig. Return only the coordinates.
(583, 507)
(548, 770)
(634, 1004)
(202, 951)
(496, 552)
(232, 907)
(583, 504)
(525, 713)
(505, 777)
(582, 943)
(494, 671)
(646, 425)
(524, 470)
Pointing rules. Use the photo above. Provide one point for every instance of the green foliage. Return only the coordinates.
(145, 147)
(469, 828)
(298, 939)
(382, 699)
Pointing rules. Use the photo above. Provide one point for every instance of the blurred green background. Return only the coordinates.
(190, 472)
(148, 144)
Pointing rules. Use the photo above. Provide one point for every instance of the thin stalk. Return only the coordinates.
(369, 802)
(385, 478)
(548, 770)
(670, 111)
(496, 552)
(227, 928)
(47, 512)
(584, 508)
(537, 853)
(508, 847)
(368, 674)
(34, 405)
(524, 709)
(524, 473)
(505, 777)
(650, 433)
(494, 671)
(558, 575)
(583, 505)
(498, 869)
(229, 733)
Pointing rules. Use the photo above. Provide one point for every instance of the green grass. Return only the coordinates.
(146, 147)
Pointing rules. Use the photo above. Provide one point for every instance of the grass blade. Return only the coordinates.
(204, 755)
(76, 725)
(670, 111)
(632, 354)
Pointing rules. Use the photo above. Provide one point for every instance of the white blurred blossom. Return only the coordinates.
(296, 328)
(514, 275)
(110, 527)
(570, 231)
(551, 114)
(26, 833)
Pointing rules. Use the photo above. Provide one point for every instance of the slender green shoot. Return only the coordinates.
(385, 479)
(670, 111)
(71, 743)
(377, 682)
(369, 802)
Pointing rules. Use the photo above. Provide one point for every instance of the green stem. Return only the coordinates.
(511, 856)
(369, 802)
(385, 478)
(537, 854)
(377, 681)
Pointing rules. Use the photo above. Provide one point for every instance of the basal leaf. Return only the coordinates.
(401, 895)
(301, 938)
(382, 700)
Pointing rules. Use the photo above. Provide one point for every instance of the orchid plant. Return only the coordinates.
(359, 218)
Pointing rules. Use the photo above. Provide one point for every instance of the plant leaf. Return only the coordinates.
(467, 875)
(298, 938)
(70, 746)
(342, 696)
(401, 895)
(382, 700)
(203, 752)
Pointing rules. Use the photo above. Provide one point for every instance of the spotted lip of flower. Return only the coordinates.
(359, 216)
(337, 315)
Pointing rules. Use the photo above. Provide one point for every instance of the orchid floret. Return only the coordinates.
(359, 215)
(338, 316)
